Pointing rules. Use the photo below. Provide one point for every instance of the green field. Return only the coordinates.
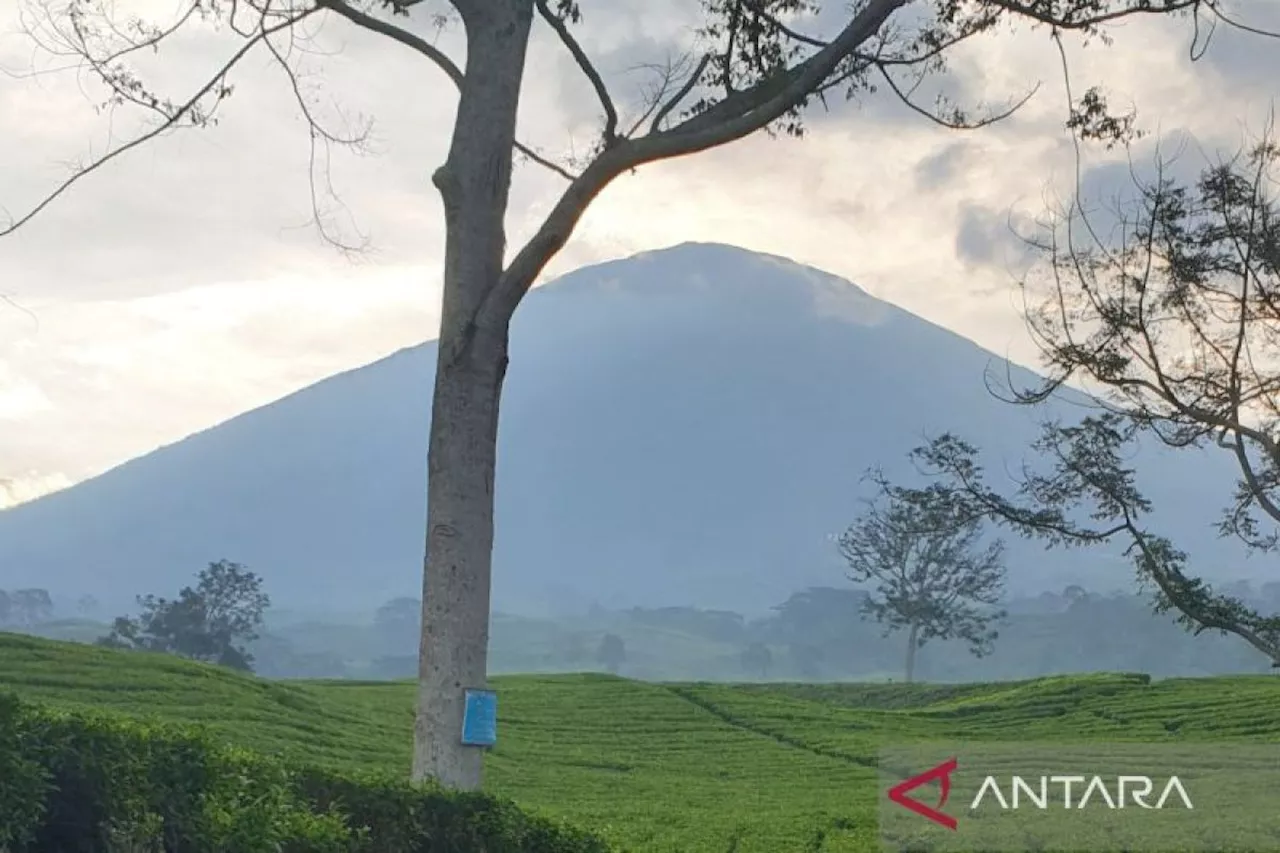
(658, 767)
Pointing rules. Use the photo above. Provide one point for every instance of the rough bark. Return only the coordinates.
(474, 185)
(912, 644)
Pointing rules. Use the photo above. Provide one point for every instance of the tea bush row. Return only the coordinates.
(76, 782)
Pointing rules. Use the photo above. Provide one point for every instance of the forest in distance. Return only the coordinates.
(817, 634)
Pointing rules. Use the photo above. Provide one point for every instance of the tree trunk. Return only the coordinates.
(912, 636)
(474, 185)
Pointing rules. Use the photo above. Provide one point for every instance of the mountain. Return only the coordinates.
(686, 426)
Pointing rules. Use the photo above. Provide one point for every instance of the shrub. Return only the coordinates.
(88, 783)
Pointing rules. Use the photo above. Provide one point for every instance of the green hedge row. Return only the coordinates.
(82, 783)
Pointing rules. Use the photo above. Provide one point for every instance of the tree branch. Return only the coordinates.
(391, 31)
(737, 116)
(215, 85)
(680, 95)
(433, 53)
(956, 122)
(610, 133)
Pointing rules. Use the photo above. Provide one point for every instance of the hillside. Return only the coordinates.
(679, 767)
(684, 427)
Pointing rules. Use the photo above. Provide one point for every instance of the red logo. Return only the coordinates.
(942, 773)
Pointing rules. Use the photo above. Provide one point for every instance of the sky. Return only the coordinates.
(185, 283)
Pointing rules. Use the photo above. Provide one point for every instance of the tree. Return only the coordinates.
(1086, 478)
(612, 653)
(399, 620)
(753, 69)
(918, 548)
(87, 605)
(31, 606)
(6, 607)
(1170, 315)
(756, 659)
(210, 622)
(806, 659)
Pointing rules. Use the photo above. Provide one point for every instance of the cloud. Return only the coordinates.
(20, 489)
(182, 284)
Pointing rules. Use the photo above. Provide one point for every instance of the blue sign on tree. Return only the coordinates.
(480, 718)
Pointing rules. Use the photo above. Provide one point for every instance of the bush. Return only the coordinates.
(87, 783)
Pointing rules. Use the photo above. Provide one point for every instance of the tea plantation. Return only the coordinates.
(703, 768)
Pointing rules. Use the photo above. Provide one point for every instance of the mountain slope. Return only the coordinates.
(684, 426)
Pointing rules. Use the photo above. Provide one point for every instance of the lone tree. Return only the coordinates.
(918, 549)
(754, 65)
(612, 653)
(210, 622)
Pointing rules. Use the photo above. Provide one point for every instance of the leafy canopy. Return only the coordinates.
(211, 622)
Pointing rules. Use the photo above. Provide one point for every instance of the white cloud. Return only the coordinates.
(23, 488)
(181, 285)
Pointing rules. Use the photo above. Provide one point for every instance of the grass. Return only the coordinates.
(704, 768)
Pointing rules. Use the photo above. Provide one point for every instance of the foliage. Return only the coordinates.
(1087, 478)
(92, 782)
(612, 652)
(1174, 315)
(806, 659)
(918, 548)
(716, 624)
(25, 606)
(399, 623)
(210, 622)
(649, 767)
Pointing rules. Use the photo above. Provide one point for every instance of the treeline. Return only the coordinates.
(25, 607)
(822, 633)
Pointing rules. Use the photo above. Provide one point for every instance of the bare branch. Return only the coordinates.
(391, 31)
(680, 95)
(215, 85)
(320, 136)
(610, 133)
(956, 122)
(1043, 13)
(1216, 9)
(433, 53)
(738, 115)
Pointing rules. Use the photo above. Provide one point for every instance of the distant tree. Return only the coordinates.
(87, 605)
(918, 548)
(6, 607)
(211, 622)
(398, 621)
(806, 659)
(818, 615)
(723, 625)
(756, 659)
(31, 606)
(399, 611)
(612, 653)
